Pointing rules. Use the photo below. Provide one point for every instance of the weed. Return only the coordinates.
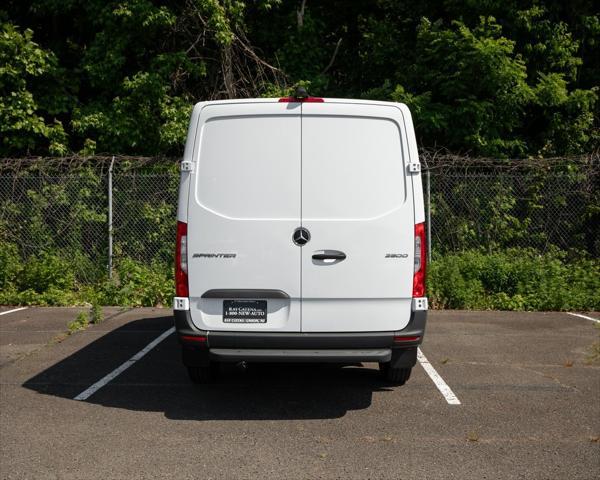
(96, 314)
(593, 355)
(59, 338)
(473, 436)
(80, 323)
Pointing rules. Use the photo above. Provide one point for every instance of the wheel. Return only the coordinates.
(204, 374)
(395, 376)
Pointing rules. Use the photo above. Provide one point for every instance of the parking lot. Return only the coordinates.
(527, 404)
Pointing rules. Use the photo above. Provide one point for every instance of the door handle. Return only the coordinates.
(333, 255)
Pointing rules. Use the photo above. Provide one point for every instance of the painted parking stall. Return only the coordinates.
(527, 405)
(12, 310)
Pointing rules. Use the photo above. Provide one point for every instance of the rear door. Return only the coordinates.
(244, 204)
(357, 205)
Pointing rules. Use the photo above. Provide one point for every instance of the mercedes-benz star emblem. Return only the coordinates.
(301, 236)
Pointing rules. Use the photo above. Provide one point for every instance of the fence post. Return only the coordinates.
(428, 215)
(428, 206)
(110, 218)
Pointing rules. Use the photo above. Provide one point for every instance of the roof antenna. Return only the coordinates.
(300, 93)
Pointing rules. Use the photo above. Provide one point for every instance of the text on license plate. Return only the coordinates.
(244, 311)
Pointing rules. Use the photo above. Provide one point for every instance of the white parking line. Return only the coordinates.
(119, 370)
(583, 316)
(13, 310)
(442, 386)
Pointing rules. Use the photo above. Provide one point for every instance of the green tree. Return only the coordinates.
(136, 67)
(501, 78)
(472, 87)
(28, 95)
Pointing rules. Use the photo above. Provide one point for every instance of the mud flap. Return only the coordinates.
(404, 357)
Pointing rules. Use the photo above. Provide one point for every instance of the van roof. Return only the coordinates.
(326, 100)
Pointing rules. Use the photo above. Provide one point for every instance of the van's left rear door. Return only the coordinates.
(244, 204)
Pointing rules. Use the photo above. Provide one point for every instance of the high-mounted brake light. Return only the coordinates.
(181, 266)
(420, 261)
(301, 96)
(301, 100)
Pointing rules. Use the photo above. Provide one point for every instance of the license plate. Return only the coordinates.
(244, 311)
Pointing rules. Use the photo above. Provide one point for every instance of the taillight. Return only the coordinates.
(181, 266)
(420, 261)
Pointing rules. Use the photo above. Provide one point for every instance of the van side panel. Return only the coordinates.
(416, 179)
(188, 155)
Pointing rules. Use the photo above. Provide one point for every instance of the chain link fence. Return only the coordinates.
(145, 210)
(490, 204)
(61, 207)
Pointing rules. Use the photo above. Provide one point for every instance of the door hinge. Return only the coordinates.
(187, 166)
(414, 167)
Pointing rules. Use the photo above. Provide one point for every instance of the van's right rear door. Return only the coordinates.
(357, 204)
(243, 206)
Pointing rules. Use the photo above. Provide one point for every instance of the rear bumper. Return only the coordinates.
(227, 346)
(306, 355)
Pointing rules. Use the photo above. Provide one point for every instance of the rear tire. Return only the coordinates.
(395, 376)
(202, 375)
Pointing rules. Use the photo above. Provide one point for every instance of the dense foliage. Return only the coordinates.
(515, 279)
(48, 280)
(492, 78)
(501, 240)
(495, 78)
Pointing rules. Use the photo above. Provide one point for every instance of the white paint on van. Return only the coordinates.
(356, 198)
(245, 200)
(338, 168)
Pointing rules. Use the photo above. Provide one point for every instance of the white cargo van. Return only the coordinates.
(300, 235)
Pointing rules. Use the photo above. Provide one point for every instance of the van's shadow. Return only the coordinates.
(159, 382)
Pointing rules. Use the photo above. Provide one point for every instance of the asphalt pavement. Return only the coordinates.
(528, 404)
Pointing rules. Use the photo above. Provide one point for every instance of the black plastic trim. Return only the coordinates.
(355, 343)
(298, 340)
(291, 355)
(194, 356)
(184, 325)
(416, 326)
(404, 357)
(244, 293)
(225, 339)
(329, 256)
